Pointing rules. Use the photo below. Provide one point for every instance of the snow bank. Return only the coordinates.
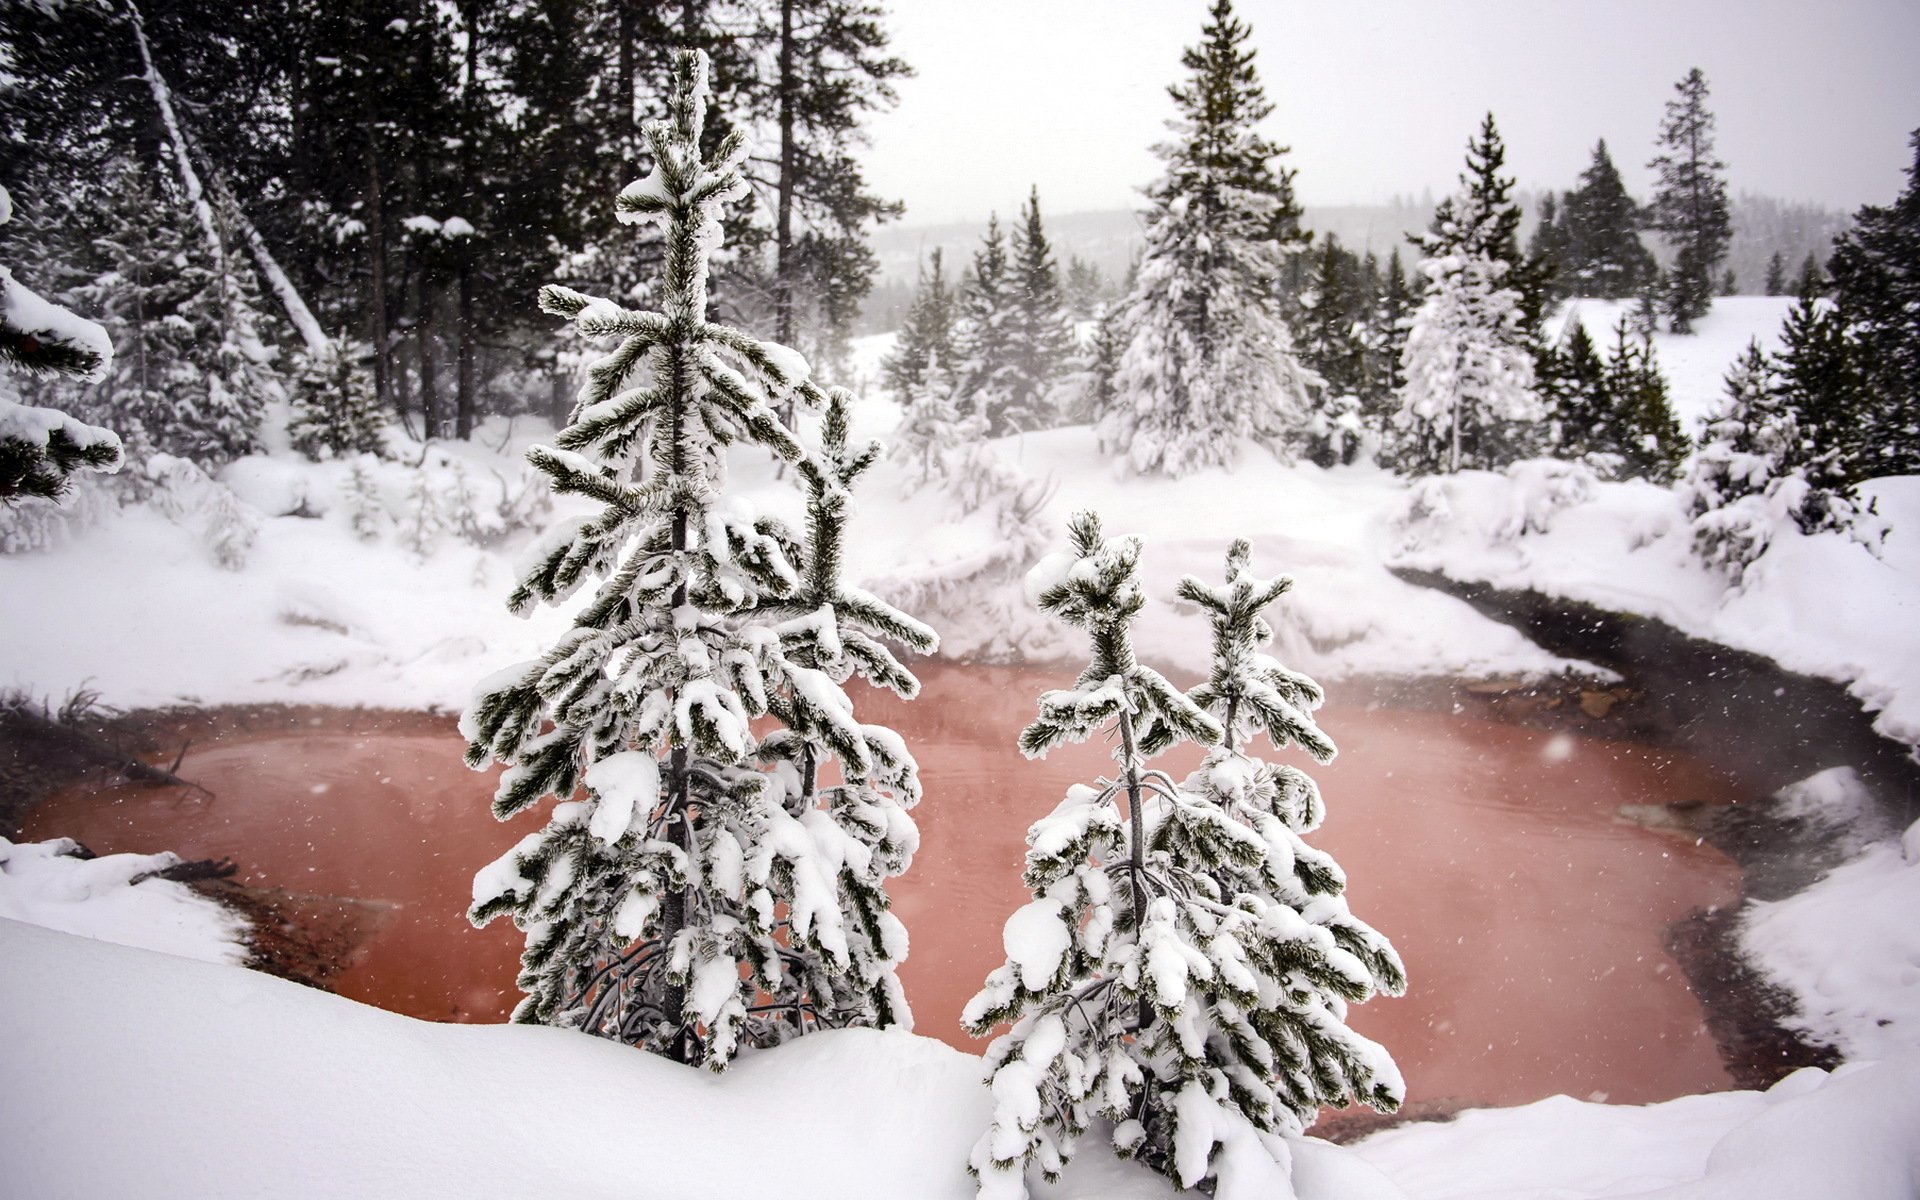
(1848, 950)
(114, 899)
(1822, 605)
(235, 1084)
(1854, 1133)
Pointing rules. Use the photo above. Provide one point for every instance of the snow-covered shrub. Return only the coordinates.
(1184, 967)
(1537, 489)
(185, 495)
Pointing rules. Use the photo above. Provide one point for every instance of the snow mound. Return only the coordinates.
(1854, 1133)
(1848, 950)
(114, 898)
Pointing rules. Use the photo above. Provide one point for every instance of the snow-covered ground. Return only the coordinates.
(139, 1074)
(248, 1086)
(115, 898)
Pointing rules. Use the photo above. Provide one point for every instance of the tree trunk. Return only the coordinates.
(430, 415)
(464, 353)
(783, 235)
(1136, 850)
(377, 323)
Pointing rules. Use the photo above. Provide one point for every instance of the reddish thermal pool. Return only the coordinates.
(1530, 919)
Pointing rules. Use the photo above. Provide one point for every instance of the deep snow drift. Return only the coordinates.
(227, 1083)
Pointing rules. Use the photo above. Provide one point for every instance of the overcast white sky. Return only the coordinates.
(1378, 97)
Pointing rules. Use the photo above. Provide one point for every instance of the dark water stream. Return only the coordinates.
(1529, 917)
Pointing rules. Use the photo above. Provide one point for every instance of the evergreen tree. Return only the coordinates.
(1551, 247)
(1812, 281)
(1646, 434)
(1604, 257)
(1041, 339)
(1736, 479)
(1483, 219)
(687, 883)
(335, 413)
(1209, 362)
(1577, 393)
(926, 335)
(1085, 290)
(1876, 288)
(191, 378)
(41, 448)
(1398, 303)
(1690, 202)
(983, 335)
(1776, 275)
(1184, 966)
(1823, 382)
(1333, 345)
(1469, 358)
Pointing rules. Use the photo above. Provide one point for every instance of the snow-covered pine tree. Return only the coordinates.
(1312, 1058)
(1209, 363)
(1576, 391)
(366, 512)
(1823, 382)
(1734, 483)
(335, 411)
(659, 905)
(1164, 977)
(1469, 399)
(983, 335)
(839, 974)
(41, 448)
(1333, 344)
(1690, 202)
(1041, 337)
(192, 376)
(1467, 368)
(1876, 287)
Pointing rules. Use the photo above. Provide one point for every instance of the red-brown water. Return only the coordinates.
(1529, 918)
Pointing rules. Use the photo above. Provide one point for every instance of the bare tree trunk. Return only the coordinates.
(783, 234)
(464, 353)
(377, 322)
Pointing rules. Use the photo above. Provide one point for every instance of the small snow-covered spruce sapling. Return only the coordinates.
(1183, 969)
(689, 901)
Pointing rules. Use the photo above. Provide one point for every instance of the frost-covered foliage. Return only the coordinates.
(1183, 969)
(335, 410)
(1758, 468)
(844, 973)
(192, 375)
(983, 338)
(688, 900)
(925, 345)
(1469, 397)
(1209, 362)
(1466, 366)
(41, 448)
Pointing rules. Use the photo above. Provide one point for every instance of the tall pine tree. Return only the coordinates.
(1604, 256)
(1209, 363)
(1690, 202)
(1042, 340)
(1876, 288)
